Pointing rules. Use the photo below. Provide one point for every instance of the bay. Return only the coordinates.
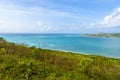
(69, 42)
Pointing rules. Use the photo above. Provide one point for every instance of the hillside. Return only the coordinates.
(19, 62)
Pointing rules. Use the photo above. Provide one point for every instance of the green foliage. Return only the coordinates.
(19, 62)
(3, 51)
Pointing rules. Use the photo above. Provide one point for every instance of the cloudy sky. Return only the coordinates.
(59, 16)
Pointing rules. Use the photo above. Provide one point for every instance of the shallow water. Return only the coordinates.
(68, 42)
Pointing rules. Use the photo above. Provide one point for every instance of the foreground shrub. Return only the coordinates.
(19, 62)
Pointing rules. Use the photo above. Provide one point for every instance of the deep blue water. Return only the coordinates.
(68, 42)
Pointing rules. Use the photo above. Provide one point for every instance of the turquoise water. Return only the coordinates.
(68, 42)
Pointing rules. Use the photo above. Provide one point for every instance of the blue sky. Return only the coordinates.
(59, 16)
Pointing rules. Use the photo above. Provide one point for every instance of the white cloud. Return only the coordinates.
(39, 23)
(20, 19)
(109, 21)
(112, 20)
(1, 22)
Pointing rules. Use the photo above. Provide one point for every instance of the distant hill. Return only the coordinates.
(117, 35)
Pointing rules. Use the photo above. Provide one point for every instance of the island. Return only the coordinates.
(20, 62)
(115, 35)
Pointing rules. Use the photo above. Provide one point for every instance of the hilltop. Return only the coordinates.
(19, 62)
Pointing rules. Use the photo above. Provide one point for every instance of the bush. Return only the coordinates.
(19, 62)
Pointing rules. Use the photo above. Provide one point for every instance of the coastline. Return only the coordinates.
(64, 51)
(67, 51)
(104, 35)
(81, 53)
(72, 51)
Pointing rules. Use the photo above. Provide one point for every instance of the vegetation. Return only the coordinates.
(19, 62)
(117, 35)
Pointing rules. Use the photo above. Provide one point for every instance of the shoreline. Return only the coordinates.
(68, 51)
(81, 53)
(105, 35)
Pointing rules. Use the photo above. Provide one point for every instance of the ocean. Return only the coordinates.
(77, 43)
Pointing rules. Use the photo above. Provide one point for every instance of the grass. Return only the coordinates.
(19, 62)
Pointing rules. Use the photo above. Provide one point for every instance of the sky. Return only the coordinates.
(59, 16)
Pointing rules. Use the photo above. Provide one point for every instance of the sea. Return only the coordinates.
(76, 43)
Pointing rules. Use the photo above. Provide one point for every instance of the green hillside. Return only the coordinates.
(19, 62)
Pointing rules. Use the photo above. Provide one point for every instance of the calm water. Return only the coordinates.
(74, 43)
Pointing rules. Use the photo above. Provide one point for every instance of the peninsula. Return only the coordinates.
(115, 35)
